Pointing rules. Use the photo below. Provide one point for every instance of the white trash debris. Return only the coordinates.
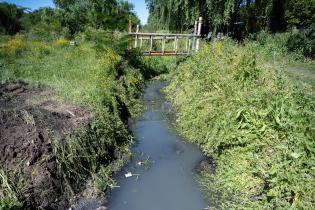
(129, 174)
(114, 186)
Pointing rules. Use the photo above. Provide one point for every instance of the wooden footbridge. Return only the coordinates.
(183, 44)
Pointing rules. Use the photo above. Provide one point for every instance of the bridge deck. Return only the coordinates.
(166, 52)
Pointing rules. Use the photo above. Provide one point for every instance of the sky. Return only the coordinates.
(140, 7)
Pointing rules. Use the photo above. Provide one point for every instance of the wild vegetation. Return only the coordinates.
(238, 105)
(89, 75)
(234, 100)
(240, 19)
(95, 74)
(69, 18)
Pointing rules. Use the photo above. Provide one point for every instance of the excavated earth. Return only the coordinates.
(29, 121)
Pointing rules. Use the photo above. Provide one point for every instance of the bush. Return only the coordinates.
(13, 47)
(268, 45)
(40, 48)
(61, 42)
(303, 42)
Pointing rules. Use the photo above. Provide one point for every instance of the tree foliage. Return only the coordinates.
(106, 14)
(300, 12)
(73, 15)
(10, 15)
(237, 16)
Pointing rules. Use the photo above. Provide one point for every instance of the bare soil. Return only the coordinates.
(26, 132)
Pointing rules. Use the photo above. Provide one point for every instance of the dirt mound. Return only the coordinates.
(26, 132)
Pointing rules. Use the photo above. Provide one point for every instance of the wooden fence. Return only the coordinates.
(191, 41)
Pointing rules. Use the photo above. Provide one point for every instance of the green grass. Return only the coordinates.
(80, 75)
(9, 199)
(241, 108)
(273, 49)
(91, 75)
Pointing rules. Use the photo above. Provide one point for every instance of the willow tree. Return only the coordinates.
(173, 14)
(237, 16)
(181, 14)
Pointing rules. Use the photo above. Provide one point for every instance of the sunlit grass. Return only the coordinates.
(90, 75)
(256, 123)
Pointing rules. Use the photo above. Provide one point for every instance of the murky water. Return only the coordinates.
(163, 168)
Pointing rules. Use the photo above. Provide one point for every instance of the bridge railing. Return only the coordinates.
(191, 41)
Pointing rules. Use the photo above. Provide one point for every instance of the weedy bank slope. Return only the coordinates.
(90, 76)
(256, 123)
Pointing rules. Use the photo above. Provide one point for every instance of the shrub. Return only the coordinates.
(302, 42)
(40, 48)
(13, 47)
(61, 42)
(261, 37)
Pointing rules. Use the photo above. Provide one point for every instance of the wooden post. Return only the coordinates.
(187, 40)
(194, 38)
(163, 45)
(189, 43)
(136, 39)
(151, 43)
(175, 44)
(130, 30)
(141, 40)
(198, 33)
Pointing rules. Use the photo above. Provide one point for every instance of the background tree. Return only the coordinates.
(105, 14)
(10, 16)
(300, 13)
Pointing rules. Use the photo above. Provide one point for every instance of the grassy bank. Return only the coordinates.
(93, 75)
(238, 104)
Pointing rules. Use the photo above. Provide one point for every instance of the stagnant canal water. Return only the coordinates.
(168, 180)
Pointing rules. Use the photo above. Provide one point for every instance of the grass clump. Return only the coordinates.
(9, 199)
(257, 125)
(87, 154)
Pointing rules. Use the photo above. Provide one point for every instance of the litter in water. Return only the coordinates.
(129, 174)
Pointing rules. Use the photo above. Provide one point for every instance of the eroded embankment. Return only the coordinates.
(26, 153)
(48, 150)
(68, 123)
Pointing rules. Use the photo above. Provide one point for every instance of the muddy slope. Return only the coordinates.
(26, 131)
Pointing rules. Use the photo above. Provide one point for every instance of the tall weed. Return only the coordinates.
(257, 125)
